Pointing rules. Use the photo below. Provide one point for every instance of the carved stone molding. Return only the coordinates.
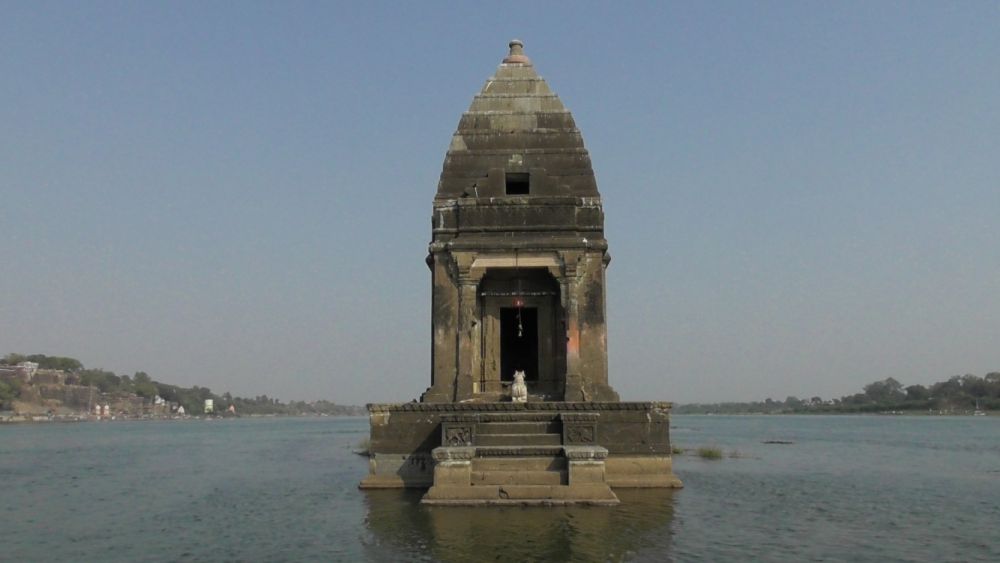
(579, 417)
(456, 436)
(578, 434)
(585, 453)
(466, 275)
(539, 407)
(518, 451)
(462, 418)
(518, 417)
(453, 454)
(570, 263)
(579, 428)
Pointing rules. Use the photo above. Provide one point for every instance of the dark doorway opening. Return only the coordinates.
(518, 342)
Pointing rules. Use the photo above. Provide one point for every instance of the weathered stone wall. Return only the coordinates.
(404, 431)
(49, 377)
(444, 312)
(636, 435)
(82, 397)
(71, 396)
(623, 428)
(635, 431)
(14, 375)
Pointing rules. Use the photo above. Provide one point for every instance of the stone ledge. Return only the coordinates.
(579, 417)
(535, 77)
(387, 482)
(518, 451)
(524, 151)
(585, 453)
(568, 201)
(517, 96)
(572, 453)
(462, 453)
(520, 502)
(487, 418)
(599, 494)
(460, 417)
(514, 112)
(514, 477)
(539, 407)
(670, 481)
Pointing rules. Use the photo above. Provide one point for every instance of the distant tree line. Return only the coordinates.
(9, 390)
(957, 394)
(141, 384)
(43, 361)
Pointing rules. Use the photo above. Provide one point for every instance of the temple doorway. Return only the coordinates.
(522, 328)
(518, 342)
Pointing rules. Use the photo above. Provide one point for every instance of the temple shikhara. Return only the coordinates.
(518, 259)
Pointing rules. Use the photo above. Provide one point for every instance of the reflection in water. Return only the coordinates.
(402, 528)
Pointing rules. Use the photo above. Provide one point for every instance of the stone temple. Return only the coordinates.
(518, 259)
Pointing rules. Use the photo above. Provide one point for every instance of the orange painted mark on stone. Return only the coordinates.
(573, 341)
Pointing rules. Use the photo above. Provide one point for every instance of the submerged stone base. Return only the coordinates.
(520, 475)
(543, 453)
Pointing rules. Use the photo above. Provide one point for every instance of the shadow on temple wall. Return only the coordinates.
(401, 527)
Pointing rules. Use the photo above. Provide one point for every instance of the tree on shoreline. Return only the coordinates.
(956, 394)
(142, 385)
(43, 361)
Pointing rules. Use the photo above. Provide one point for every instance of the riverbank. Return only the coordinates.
(46, 419)
(690, 412)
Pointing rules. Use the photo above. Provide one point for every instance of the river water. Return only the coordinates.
(848, 488)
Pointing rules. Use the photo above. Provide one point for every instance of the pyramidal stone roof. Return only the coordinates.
(516, 124)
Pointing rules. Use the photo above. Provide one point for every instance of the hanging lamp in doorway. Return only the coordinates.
(518, 297)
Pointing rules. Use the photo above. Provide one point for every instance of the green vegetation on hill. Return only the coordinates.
(142, 385)
(958, 394)
(43, 361)
(9, 390)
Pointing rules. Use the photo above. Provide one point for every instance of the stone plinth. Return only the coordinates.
(527, 475)
(576, 450)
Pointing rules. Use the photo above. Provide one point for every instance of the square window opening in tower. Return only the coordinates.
(518, 183)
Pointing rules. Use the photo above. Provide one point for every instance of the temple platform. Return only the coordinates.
(544, 453)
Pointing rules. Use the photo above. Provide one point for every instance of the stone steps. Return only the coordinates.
(528, 427)
(520, 440)
(536, 463)
(520, 474)
(518, 451)
(519, 477)
(520, 430)
(511, 457)
(545, 495)
(517, 416)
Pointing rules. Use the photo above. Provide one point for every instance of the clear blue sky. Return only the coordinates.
(801, 197)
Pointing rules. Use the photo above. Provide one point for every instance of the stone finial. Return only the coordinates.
(516, 55)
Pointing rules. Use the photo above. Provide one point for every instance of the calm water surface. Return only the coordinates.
(847, 489)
